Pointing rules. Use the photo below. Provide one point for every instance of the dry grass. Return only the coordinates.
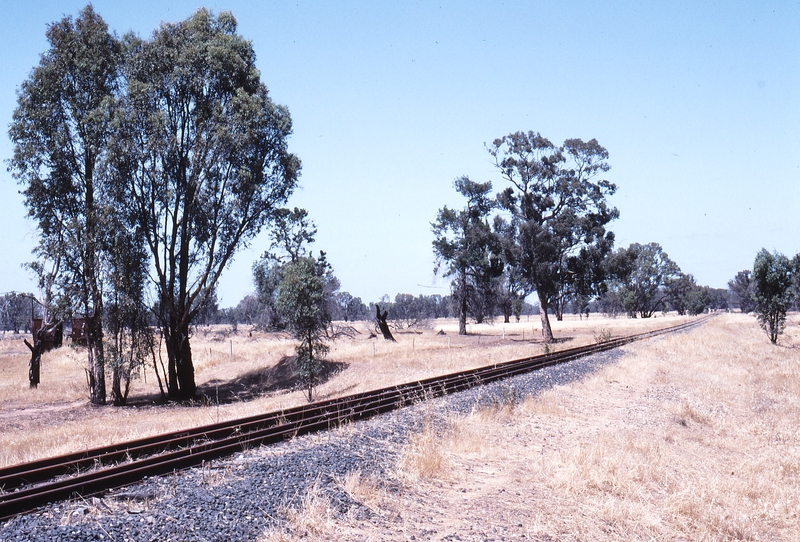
(363, 488)
(423, 457)
(688, 437)
(56, 418)
(313, 517)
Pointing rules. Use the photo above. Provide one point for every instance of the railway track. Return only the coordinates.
(28, 486)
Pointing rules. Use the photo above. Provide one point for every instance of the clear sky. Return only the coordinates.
(698, 104)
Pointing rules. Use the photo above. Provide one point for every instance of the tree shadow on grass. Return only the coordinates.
(249, 386)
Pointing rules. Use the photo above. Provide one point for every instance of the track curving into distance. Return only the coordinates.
(27, 486)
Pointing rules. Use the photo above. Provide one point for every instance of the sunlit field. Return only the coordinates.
(56, 418)
(692, 436)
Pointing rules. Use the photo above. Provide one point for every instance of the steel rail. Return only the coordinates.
(169, 452)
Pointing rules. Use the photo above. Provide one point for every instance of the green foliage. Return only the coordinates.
(407, 310)
(303, 303)
(129, 337)
(267, 275)
(684, 295)
(772, 293)
(349, 308)
(516, 308)
(741, 286)
(203, 150)
(174, 140)
(468, 250)
(60, 130)
(292, 231)
(16, 311)
(639, 276)
(556, 235)
(699, 300)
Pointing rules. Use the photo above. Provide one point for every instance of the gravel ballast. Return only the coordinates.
(239, 498)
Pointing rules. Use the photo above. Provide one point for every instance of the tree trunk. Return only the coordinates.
(94, 321)
(547, 332)
(155, 367)
(558, 309)
(185, 366)
(181, 385)
(116, 387)
(120, 371)
(462, 314)
(97, 366)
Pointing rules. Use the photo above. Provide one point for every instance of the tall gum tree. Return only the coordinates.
(59, 129)
(641, 276)
(556, 210)
(467, 248)
(204, 150)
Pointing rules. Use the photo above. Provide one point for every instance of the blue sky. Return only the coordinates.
(697, 103)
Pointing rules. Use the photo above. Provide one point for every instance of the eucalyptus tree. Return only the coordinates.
(468, 250)
(16, 311)
(291, 234)
(557, 211)
(684, 295)
(303, 300)
(681, 293)
(60, 130)
(203, 149)
(640, 274)
(772, 291)
(741, 288)
(349, 308)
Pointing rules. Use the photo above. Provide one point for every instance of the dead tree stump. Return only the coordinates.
(35, 363)
(382, 325)
(46, 336)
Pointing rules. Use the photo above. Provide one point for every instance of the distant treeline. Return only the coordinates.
(16, 312)
(405, 311)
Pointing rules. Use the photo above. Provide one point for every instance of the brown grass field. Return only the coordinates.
(691, 437)
(687, 437)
